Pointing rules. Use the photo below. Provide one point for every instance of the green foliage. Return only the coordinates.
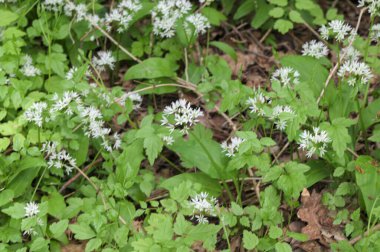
(96, 148)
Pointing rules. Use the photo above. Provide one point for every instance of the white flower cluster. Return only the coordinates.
(355, 71)
(168, 12)
(79, 11)
(373, 6)
(122, 14)
(315, 49)
(257, 103)
(103, 59)
(8, 1)
(53, 5)
(231, 148)
(180, 115)
(134, 97)
(58, 159)
(34, 113)
(278, 113)
(62, 104)
(286, 76)
(169, 140)
(337, 29)
(351, 54)
(199, 22)
(375, 32)
(31, 210)
(315, 142)
(70, 104)
(203, 204)
(28, 69)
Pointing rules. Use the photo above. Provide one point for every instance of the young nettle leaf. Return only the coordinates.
(250, 240)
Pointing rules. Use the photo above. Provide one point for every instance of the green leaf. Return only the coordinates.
(298, 236)
(39, 244)
(208, 184)
(376, 136)
(4, 143)
(275, 232)
(305, 4)
(282, 247)
(18, 142)
(312, 72)
(276, 12)
(56, 205)
(262, 14)
(370, 114)
(58, 228)
(338, 133)
(293, 180)
(160, 227)
(267, 141)
(283, 25)
(367, 176)
(295, 17)
(225, 48)
(28, 169)
(153, 146)
(236, 209)
(82, 231)
(16, 211)
(282, 3)
(250, 240)
(151, 68)
(244, 9)
(6, 196)
(93, 245)
(200, 144)
(214, 16)
(7, 17)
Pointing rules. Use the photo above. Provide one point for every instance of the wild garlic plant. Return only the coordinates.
(121, 130)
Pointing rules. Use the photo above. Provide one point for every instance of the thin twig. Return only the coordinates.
(70, 181)
(332, 72)
(352, 152)
(280, 153)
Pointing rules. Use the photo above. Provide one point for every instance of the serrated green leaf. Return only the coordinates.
(250, 240)
(58, 228)
(153, 146)
(93, 245)
(7, 17)
(82, 231)
(283, 25)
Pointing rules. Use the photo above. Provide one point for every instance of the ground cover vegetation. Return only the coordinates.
(177, 125)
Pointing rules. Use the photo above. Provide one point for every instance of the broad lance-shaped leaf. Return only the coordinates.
(368, 180)
(151, 68)
(202, 152)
